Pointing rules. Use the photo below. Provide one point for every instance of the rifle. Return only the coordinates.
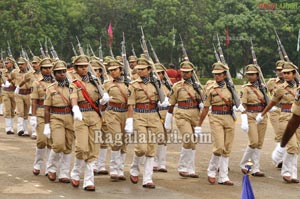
(46, 48)
(42, 50)
(228, 79)
(132, 50)
(166, 78)
(153, 78)
(3, 66)
(74, 50)
(195, 81)
(126, 68)
(25, 56)
(97, 81)
(285, 56)
(53, 51)
(10, 55)
(216, 54)
(90, 47)
(31, 53)
(111, 52)
(100, 52)
(261, 79)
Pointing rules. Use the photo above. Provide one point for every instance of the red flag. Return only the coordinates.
(110, 34)
(227, 37)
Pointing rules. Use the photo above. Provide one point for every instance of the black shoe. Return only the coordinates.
(9, 133)
(20, 133)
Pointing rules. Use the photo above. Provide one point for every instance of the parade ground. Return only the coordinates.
(17, 180)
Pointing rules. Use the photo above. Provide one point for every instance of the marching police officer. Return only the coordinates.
(272, 85)
(186, 116)
(59, 124)
(253, 100)
(115, 116)
(37, 120)
(285, 95)
(85, 98)
(22, 79)
(221, 123)
(9, 96)
(144, 119)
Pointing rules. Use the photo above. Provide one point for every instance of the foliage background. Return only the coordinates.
(25, 22)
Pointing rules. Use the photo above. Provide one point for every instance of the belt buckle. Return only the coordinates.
(147, 106)
(191, 104)
(224, 108)
(66, 109)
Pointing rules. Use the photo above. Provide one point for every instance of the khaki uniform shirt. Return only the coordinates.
(251, 95)
(284, 94)
(38, 92)
(137, 94)
(117, 90)
(296, 104)
(183, 91)
(17, 77)
(57, 96)
(75, 92)
(273, 83)
(213, 98)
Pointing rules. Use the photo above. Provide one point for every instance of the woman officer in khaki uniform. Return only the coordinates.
(253, 101)
(85, 97)
(186, 116)
(285, 95)
(115, 116)
(59, 122)
(8, 94)
(272, 85)
(144, 119)
(221, 123)
(37, 120)
(160, 160)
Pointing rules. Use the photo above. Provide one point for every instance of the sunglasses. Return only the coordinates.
(287, 73)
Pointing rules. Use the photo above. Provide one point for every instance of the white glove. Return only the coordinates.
(47, 130)
(6, 84)
(77, 113)
(245, 125)
(259, 118)
(105, 98)
(197, 131)
(17, 90)
(33, 121)
(165, 103)
(239, 109)
(129, 126)
(168, 121)
(201, 105)
(274, 108)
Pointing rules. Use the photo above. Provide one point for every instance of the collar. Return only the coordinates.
(291, 83)
(47, 78)
(188, 81)
(119, 79)
(255, 84)
(221, 84)
(85, 78)
(145, 80)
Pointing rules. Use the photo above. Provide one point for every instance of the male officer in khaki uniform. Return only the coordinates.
(253, 100)
(9, 96)
(221, 124)
(115, 115)
(144, 119)
(22, 79)
(187, 117)
(85, 97)
(272, 85)
(285, 95)
(37, 120)
(59, 123)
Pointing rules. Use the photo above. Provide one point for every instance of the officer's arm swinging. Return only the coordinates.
(203, 115)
